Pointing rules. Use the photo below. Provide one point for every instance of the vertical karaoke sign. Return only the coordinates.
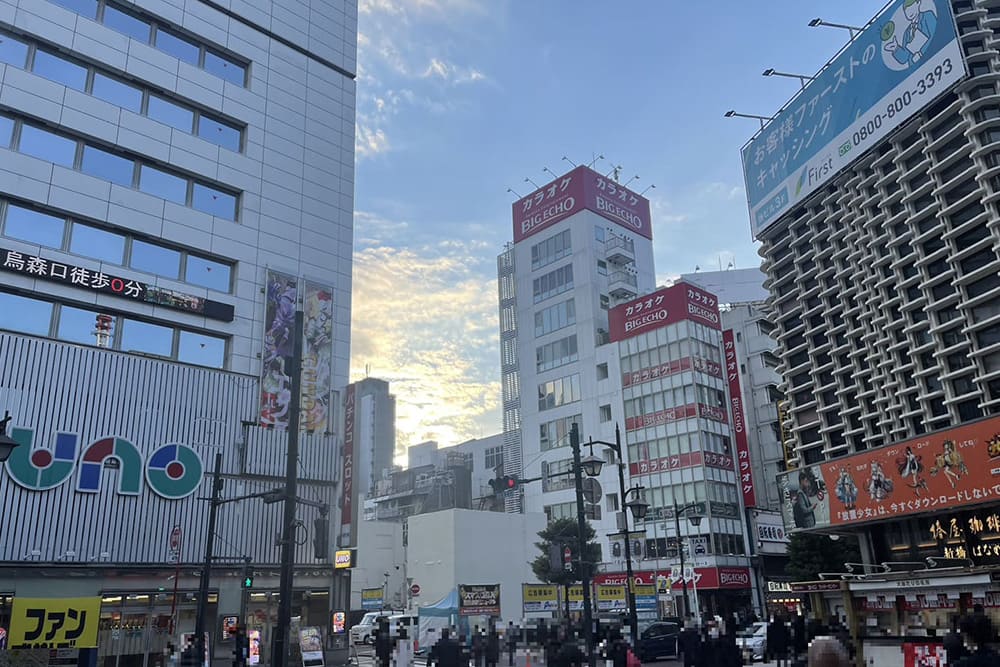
(281, 298)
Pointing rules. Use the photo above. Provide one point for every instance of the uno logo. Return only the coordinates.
(172, 471)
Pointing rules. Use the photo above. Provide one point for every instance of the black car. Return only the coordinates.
(659, 640)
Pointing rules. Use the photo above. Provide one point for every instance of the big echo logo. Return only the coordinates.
(172, 471)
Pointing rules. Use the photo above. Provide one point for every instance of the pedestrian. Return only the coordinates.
(447, 652)
(777, 641)
(478, 647)
(618, 649)
(492, 646)
(383, 642)
(511, 637)
(827, 651)
(978, 632)
(689, 642)
(954, 644)
(799, 641)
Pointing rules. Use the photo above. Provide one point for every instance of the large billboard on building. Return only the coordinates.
(956, 467)
(907, 56)
(665, 306)
(347, 494)
(580, 189)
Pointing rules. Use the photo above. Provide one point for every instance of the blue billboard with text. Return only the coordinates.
(905, 58)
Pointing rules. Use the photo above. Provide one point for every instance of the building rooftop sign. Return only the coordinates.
(669, 305)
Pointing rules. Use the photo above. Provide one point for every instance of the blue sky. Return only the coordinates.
(459, 100)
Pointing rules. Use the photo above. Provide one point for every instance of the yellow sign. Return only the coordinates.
(343, 559)
(54, 622)
(576, 593)
(610, 592)
(539, 597)
(371, 593)
(640, 590)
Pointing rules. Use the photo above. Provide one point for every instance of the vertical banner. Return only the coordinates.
(743, 467)
(347, 476)
(317, 357)
(280, 297)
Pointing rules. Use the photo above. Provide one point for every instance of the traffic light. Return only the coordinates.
(505, 483)
(248, 581)
(321, 538)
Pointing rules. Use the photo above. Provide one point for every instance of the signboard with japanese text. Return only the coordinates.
(648, 466)
(479, 600)
(581, 189)
(347, 476)
(669, 305)
(673, 367)
(54, 623)
(49, 270)
(704, 577)
(904, 59)
(610, 597)
(539, 597)
(934, 473)
(576, 597)
(743, 467)
(924, 655)
(371, 598)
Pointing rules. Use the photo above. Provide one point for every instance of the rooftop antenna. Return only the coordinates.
(651, 187)
(510, 190)
(568, 160)
(594, 161)
(634, 178)
(528, 180)
(617, 171)
(368, 370)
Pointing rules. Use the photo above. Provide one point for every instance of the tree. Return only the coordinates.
(564, 533)
(809, 554)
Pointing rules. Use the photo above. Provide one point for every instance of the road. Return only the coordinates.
(366, 658)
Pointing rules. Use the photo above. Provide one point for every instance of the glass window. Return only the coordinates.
(46, 145)
(108, 166)
(220, 133)
(6, 130)
(33, 316)
(160, 183)
(225, 68)
(215, 202)
(59, 70)
(30, 225)
(155, 259)
(170, 113)
(97, 243)
(177, 46)
(77, 325)
(86, 8)
(145, 337)
(13, 51)
(117, 92)
(195, 348)
(132, 26)
(208, 273)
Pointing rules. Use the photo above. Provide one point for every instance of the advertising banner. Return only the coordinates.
(253, 638)
(673, 367)
(906, 57)
(610, 597)
(280, 297)
(582, 188)
(704, 577)
(936, 472)
(54, 623)
(371, 598)
(311, 646)
(924, 655)
(479, 600)
(744, 469)
(645, 597)
(317, 357)
(347, 476)
(539, 597)
(576, 597)
(669, 305)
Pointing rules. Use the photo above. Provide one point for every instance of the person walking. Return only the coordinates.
(492, 646)
(510, 637)
(978, 632)
(689, 644)
(777, 642)
(383, 642)
(478, 647)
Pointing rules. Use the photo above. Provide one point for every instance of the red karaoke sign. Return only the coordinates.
(666, 306)
(744, 469)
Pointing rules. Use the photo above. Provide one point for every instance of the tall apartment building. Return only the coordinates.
(374, 433)
(885, 279)
(176, 179)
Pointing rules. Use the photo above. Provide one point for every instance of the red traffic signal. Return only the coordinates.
(505, 483)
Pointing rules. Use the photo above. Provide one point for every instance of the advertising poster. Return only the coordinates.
(253, 638)
(610, 597)
(479, 600)
(317, 357)
(539, 597)
(576, 597)
(311, 646)
(924, 655)
(371, 599)
(280, 297)
(54, 622)
(339, 623)
(934, 473)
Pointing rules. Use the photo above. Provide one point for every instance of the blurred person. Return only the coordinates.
(778, 641)
(510, 637)
(977, 630)
(827, 652)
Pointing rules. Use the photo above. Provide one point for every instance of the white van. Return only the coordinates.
(364, 631)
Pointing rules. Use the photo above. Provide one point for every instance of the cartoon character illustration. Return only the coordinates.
(281, 295)
(879, 486)
(846, 490)
(950, 463)
(276, 394)
(905, 45)
(910, 465)
(806, 498)
(993, 446)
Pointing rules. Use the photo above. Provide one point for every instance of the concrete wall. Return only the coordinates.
(380, 550)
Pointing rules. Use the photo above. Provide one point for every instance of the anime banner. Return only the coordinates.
(317, 357)
(280, 299)
(936, 472)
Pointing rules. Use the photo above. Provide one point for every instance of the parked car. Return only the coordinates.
(658, 640)
(364, 631)
(753, 639)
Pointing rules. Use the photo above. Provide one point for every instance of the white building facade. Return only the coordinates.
(175, 180)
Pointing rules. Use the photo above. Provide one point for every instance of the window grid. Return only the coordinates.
(191, 185)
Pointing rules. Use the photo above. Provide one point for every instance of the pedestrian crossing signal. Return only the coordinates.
(247, 582)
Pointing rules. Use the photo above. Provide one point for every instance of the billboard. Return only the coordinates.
(54, 623)
(582, 188)
(936, 472)
(744, 469)
(479, 600)
(539, 597)
(317, 357)
(371, 599)
(669, 305)
(280, 299)
(907, 56)
(347, 476)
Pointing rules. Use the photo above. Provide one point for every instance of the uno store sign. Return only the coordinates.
(172, 471)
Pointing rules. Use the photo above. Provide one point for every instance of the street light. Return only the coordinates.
(695, 521)
(592, 466)
(7, 443)
(820, 22)
(735, 114)
(801, 77)
(581, 527)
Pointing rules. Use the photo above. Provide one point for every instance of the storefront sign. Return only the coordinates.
(670, 305)
(924, 655)
(54, 623)
(344, 559)
(371, 598)
(958, 467)
(172, 471)
(539, 597)
(743, 469)
(347, 476)
(779, 587)
(926, 584)
(668, 368)
(479, 600)
(705, 578)
(31, 266)
(647, 466)
(787, 443)
(816, 586)
(576, 597)
(311, 646)
(610, 597)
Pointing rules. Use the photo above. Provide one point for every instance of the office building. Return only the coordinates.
(176, 179)
(374, 433)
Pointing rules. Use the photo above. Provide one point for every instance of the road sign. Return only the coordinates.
(414, 590)
(567, 559)
(175, 542)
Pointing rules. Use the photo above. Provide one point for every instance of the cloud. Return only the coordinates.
(425, 319)
(369, 141)
(451, 73)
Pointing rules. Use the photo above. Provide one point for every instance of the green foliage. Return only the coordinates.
(564, 532)
(810, 553)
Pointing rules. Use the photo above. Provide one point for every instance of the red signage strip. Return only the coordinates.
(671, 368)
(32, 266)
(744, 469)
(704, 578)
(669, 305)
(347, 478)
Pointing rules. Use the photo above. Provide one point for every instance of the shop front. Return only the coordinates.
(712, 591)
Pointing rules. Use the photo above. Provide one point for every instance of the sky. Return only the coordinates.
(459, 100)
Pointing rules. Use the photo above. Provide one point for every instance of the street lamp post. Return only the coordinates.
(695, 521)
(581, 525)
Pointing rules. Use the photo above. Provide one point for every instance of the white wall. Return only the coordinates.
(380, 550)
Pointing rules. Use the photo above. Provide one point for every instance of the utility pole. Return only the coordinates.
(581, 522)
(279, 657)
(206, 567)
